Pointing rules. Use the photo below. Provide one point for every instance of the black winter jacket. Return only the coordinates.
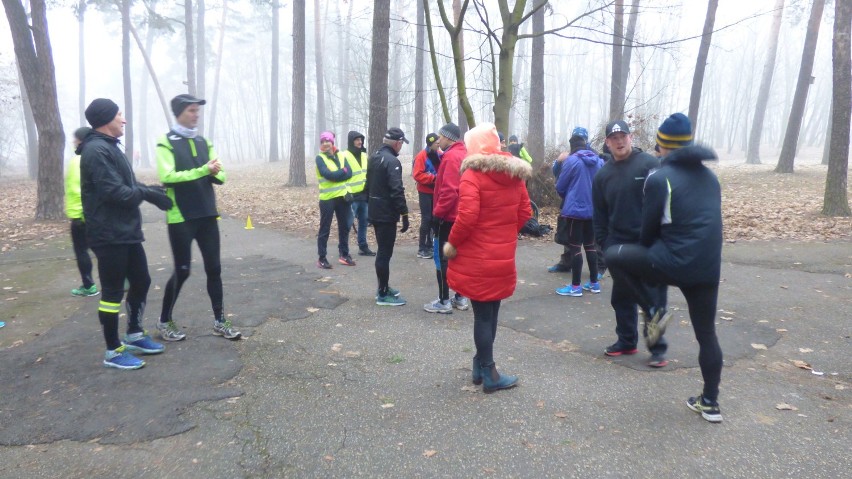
(682, 217)
(617, 198)
(384, 182)
(110, 193)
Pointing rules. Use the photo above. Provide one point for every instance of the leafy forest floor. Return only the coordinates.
(758, 204)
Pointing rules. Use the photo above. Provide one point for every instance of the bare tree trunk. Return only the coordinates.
(320, 114)
(201, 49)
(145, 157)
(297, 104)
(30, 127)
(627, 53)
(346, 75)
(535, 134)
(273, 90)
(457, 17)
(35, 60)
(616, 94)
(794, 124)
(125, 69)
(439, 86)
(455, 32)
(393, 93)
(753, 154)
(214, 106)
(417, 141)
(701, 63)
(153, 74)
(379, 74)
(836, 202)
(188, 19)
(826, 147)
(81, 59)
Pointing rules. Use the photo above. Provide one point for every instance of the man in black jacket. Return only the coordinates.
(681, 245)
(111, 198)
(617, 200)
(387, 205)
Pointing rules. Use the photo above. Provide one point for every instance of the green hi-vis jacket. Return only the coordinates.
(359, 171)
(73, 200)
(182, 166)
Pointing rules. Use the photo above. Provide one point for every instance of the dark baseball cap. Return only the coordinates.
(396, 134)
(617, 126)
(180, 102)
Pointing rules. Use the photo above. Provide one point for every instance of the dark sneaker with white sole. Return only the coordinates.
(618, 348)
(709, 411)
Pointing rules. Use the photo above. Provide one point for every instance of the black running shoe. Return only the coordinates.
(709, 411)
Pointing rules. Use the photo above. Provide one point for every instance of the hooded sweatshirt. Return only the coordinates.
(357, 159)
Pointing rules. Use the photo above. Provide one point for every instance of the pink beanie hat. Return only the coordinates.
(326, 136)
(483, 139)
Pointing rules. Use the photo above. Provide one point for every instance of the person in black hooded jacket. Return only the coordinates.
(680, 245)
(387, 206)
(356, 155)
(111, 198)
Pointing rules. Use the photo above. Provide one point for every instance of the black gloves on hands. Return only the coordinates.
(404, 224)
(157, 197)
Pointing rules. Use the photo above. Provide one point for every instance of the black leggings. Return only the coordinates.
(581, 236)
(385, 239)
(115, 264)
(442, 233)
(485, 329)
(81, 252)
(631, 261)
(425, 237)
(205, 231)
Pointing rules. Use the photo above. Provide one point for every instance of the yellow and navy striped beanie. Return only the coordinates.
(675, 132)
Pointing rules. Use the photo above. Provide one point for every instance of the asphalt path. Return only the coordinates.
(328, 384)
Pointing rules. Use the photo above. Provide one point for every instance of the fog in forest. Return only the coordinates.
(577, 73)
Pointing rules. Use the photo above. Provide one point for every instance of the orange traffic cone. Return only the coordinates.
(248, 223)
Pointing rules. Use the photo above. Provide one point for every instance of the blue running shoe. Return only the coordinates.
(142, 343)
(121, 359)
(2, 324)
(569, 290)
(592, 287)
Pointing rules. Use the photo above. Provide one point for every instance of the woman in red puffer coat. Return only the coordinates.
(493, 207)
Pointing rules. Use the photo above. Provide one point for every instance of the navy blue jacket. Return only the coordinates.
(682, 217)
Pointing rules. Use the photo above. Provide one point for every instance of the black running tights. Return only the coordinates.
(115, 264)
(385, 239)
(581, 236)
(205, 231)
(81, 252)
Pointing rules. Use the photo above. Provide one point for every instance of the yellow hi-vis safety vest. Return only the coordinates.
(331, 189)
(359, 171)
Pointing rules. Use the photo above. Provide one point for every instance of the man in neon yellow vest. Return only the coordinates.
(333, 173)
(356, 157)
(74, 212)
(518, 149)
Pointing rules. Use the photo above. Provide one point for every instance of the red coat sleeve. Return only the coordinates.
(447, 189)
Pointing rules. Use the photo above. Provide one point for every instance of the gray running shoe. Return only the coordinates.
(438, 306)
(169, 331)
(460, 302)
(226, 330)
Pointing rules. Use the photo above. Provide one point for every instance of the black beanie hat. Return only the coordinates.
(100, 112)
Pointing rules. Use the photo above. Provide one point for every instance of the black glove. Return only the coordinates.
(435, 223)
(157, 197)
(404, 224)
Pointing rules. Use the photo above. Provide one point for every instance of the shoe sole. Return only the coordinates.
(626, 352)
(85, 295)
(166, 338)
(438, 311)
(490, 391)
(659, 364)
(461, 308)
(344, 263)
(118, 366)
(714, 418)
(576, 295)
(656, 329)
(137, 349)
(380, 303)
(232, 338)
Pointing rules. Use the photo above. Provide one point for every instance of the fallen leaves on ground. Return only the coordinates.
(429, 452)
(785, 407)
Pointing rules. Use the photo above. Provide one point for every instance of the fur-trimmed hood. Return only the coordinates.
(497, 163)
